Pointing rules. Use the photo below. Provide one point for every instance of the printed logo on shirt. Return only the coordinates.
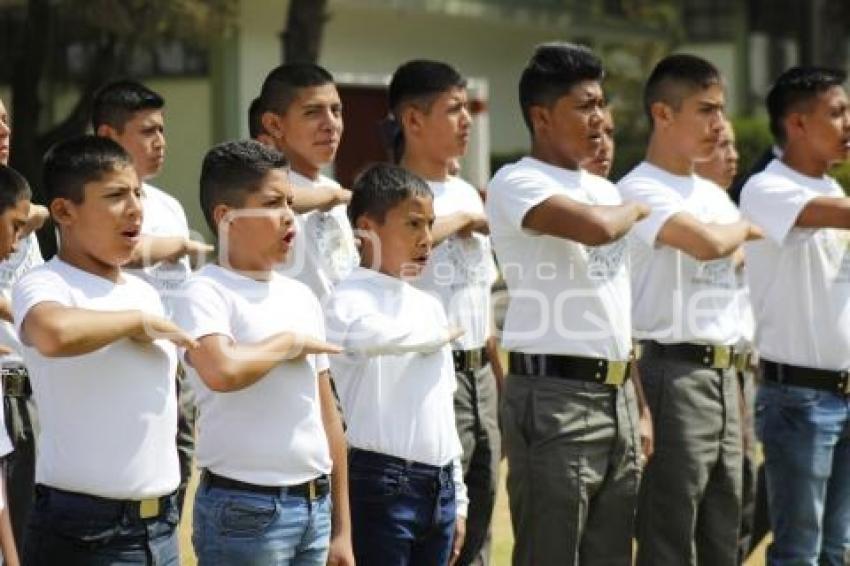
(605, 262)
(17, 264)
(718, 273)
(335, 253)
(463, 262)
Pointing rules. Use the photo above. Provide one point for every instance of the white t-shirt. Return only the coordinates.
(396, 378)
(678, 298)
(565, 298)
(324, 251)
(108, 418)
(163, 216)
(269, 433)
(799, 277)
(461, 271)
(27, 256)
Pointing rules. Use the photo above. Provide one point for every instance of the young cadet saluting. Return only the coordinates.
(569, 419)
(686, 313)
(800, 285)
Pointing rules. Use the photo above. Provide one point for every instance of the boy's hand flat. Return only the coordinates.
(153, 327)
(305, 345)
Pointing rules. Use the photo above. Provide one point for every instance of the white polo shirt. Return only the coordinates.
(163, 215)
(799, 277)
(324, 251)
(565, 297)
(271, 432)
(461, 271)
(678, 298)
(108, 419)
(396, 378)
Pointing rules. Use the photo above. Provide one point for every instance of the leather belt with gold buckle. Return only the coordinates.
(714, 356)
(15, 380)
(469, 360)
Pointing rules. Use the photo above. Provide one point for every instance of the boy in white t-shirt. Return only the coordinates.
(686, 313)
(799, 278)
(569, 415)
(396, 382)
(429, 103)
(134, 116)
(15, 198)
(102, 368)
(302, 114)
(269, 434)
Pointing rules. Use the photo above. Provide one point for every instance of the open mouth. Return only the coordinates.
(132, 234)
(288, 238)
(422, 259)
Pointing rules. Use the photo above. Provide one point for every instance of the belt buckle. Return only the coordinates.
(616, 373)
(311, 490)
(474, 360)
(742, 360)
(722, 357)
(149, 508)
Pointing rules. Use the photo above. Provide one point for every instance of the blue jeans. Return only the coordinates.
(232, 527)
(402, 513)
(806, 437)
(74, 529)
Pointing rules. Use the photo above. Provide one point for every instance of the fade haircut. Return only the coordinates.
(115, 103)
(675, 78)
(255, 119)
(284, 82)
(553, 70)
(382, 187)
(71, 164)
(418, 83)
(13, 188)
(233, 170)
(795, 89)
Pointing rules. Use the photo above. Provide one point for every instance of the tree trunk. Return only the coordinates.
(302, 39)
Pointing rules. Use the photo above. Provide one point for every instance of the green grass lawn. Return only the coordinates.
(502, 536)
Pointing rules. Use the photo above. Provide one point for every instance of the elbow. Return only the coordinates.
(710, 250)
(602, 233)
(54, 341)
(223, 379)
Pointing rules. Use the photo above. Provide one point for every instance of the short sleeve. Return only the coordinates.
(38, 286)
(513, 194)
(663, 204)
(774, 204)
(202, 310)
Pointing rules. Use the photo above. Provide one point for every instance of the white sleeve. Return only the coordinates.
(373, 334)
(774, 206)
(514, 194)
(201, 310)
(42, 286)
(461, 497)
(663, 203)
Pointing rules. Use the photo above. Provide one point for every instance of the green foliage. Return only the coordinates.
(752, 138)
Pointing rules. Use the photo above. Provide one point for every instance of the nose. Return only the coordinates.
(5, 130)
(159, 140)
(134, 206)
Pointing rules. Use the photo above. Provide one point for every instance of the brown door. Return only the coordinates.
(363, 109)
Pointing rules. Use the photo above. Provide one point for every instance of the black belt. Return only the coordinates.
(598, 370)
(833, 381)
(714, 356)
(134, 509)
(16, 382)
(310, 490)
(470, 360)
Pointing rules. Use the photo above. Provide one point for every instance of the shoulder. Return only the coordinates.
(46, 273)
(163, 199)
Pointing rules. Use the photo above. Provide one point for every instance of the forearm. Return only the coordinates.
(313, 198)
(5, 309)
(614, 222)
(232, 367)
(154, 249)
(727, 238)
(7, 539)
(447, 225)
(71, 331)
(492, 347)
(341, 518)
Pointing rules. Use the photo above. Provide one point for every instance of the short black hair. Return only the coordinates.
(115, 103)
(255, 118)
(675, 78)
(232, 170)
(13, 188)
(71, 164)
(796, 87)
(418, 82)
(283, 82)
(553, 70)
(381, 187)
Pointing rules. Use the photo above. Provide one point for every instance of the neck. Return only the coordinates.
(85, 262)
(546, 154)
(658, 153)
(428, 168)
(798, 158)
(304, 168)
(251, 269)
